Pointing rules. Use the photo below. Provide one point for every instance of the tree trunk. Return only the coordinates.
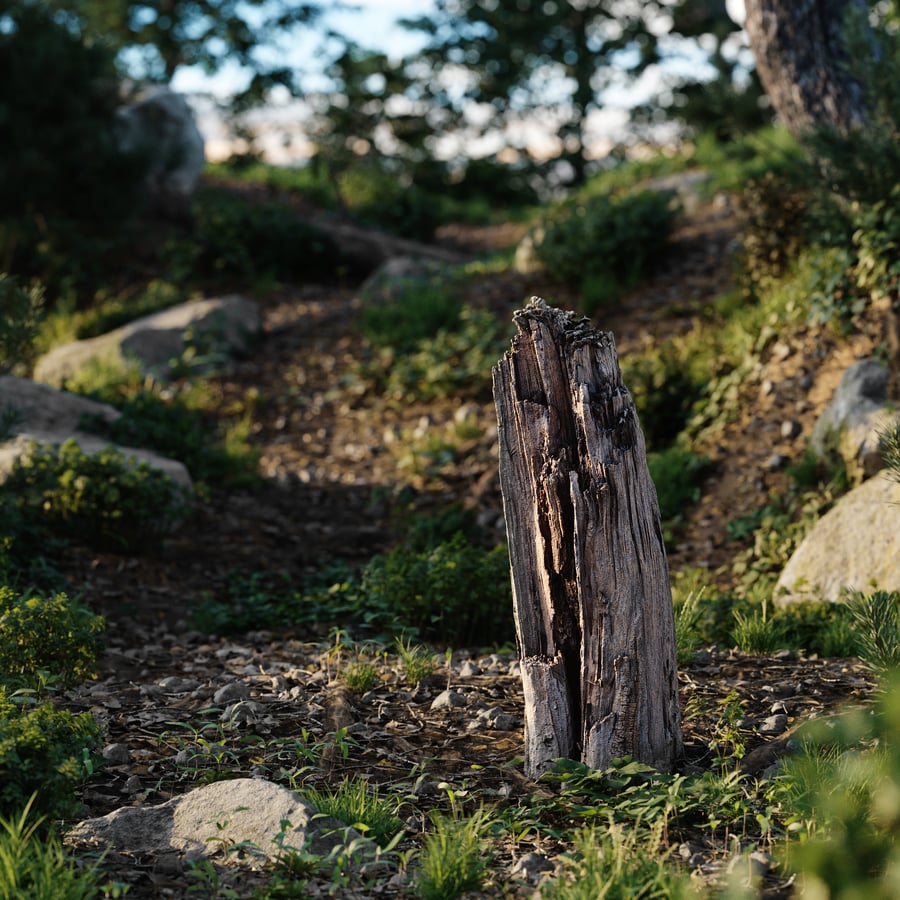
(592, 602)
(801, 60)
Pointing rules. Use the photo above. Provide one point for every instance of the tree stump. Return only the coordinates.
(592, 602)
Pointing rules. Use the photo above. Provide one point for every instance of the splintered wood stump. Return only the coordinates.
(592, 601)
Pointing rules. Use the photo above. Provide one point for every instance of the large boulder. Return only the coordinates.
(855, 546)
(159, 125)
(855, 419)
(258, 815)
(214, 327)
(41, 414)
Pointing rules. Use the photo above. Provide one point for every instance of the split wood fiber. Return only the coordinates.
(592, 601)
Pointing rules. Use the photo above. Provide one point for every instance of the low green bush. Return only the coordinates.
(102, 500)
(454, 362)
(606, 244)
(665, 386)
(676, 473)
(455, 594)
(838, 801)
(22, 310)
(418, 313)
(235, 240)
(53, 633)
(774, 227)
(168, 424)
(45, 752)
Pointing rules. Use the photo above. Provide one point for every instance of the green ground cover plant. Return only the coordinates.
(187, 425)
(103, 499)
(454, 361)
(234, 240)
(45, 754)
(41, 634)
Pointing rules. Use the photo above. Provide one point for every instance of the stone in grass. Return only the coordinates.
(260, 816)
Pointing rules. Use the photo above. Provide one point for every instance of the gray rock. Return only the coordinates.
(531, 867)
(790, 429)
(227, 324)
(160, 124)
(116, 754)
(224, 813)
(48, 416)
(395, 276)
(229, 693)
(855, 418)
(855, 545)
(525, 260)
(774, 725)
(448, 700)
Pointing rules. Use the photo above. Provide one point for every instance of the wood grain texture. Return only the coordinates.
(592, 602)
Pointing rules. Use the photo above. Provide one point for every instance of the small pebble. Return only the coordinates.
(116, 754)
(776, 461)
(469, 669)
(447, 700)
(790, 429)
(774, 725)
(237, 690)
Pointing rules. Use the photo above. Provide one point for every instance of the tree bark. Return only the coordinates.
(592, 602)
(801, 60)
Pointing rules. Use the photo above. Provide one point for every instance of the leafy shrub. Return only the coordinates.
(101, 499)
(773, 230)
(455, 362)
(841, 795)
(455, 594)
(834, 296)
(237, 240)
(876, 241)
(169, 425)
(251, 600)
(606, 244)
(389, 201)
(676, 473)
(52, 633)
(418, 313)
(44, 752)
(665, 387)
(862, 163)
(19, 323)
(65, 188)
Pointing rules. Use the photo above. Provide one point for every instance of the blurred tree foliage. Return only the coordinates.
(63, 183)
(490, 64)
(153, 39)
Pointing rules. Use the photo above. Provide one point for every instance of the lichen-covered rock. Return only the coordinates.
(262, 817)
(221, 326)
(43, 415)
(855, 545)
(855, 418)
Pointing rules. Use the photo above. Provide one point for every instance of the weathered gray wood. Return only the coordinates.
(592, 601)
